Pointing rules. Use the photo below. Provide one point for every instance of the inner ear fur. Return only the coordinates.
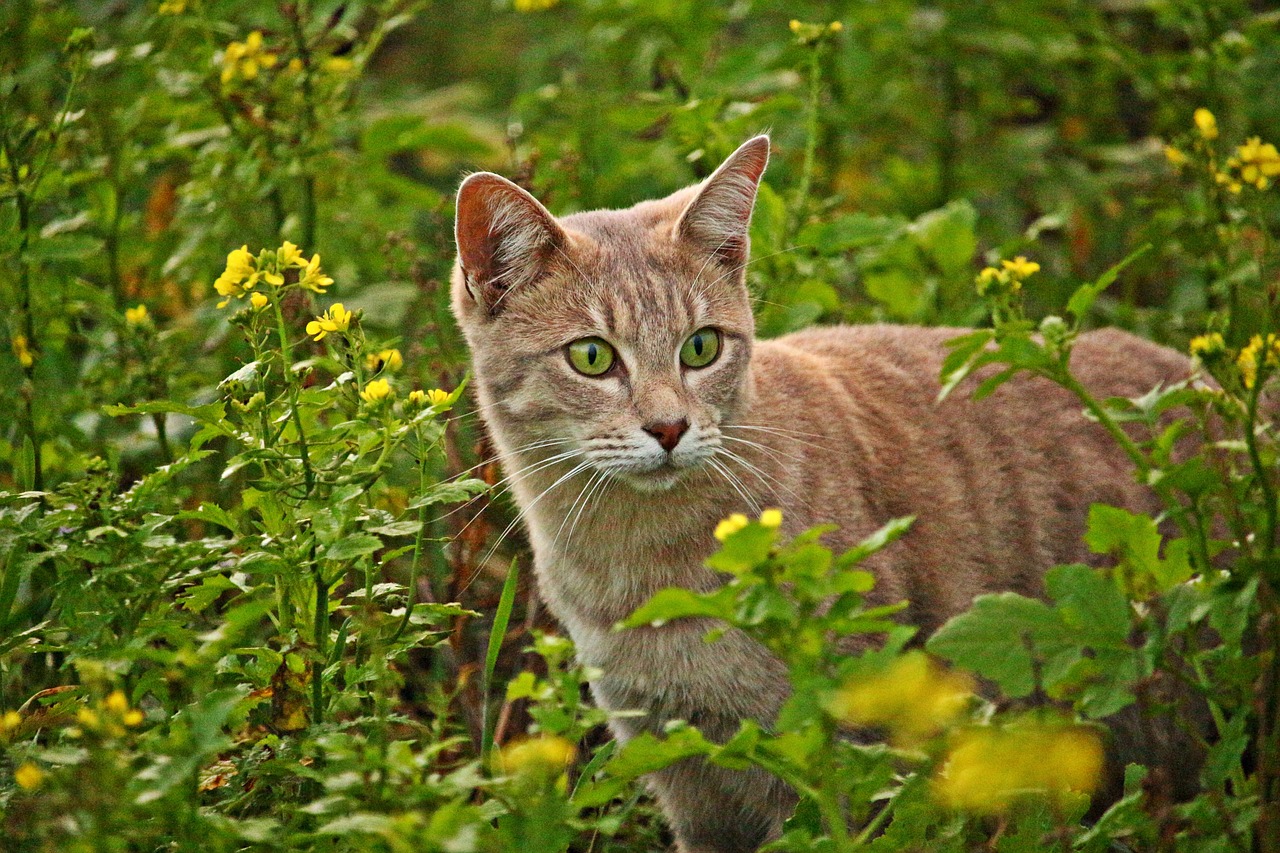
(719, 217)
(505, 237)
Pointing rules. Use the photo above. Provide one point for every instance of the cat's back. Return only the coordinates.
(1001, 487)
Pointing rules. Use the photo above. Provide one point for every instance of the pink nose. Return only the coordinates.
(668, 434)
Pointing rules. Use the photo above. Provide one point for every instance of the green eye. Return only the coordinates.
(591, 356)
(700, 348)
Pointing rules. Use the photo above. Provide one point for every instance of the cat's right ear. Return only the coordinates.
(719, 217)
(505, 238)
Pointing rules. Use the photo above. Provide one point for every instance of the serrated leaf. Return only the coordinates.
(352, 546)
(451, 492)
(992, 639)
(646, 753)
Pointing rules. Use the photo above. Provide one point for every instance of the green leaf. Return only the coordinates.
(213, 514)
(947, 235)
(680, 603)
(992, 639)
(1091, 605)
(497, 633)
(744, 549)
(850, 231)
(351, 546)
(451, 492)
(1086, 294)
(646, 753)
(360, 823)
(901, 291)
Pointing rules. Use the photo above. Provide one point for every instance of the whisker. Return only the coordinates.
(763, 476)
(734, 482)
(789, 435)
(520, 516)
(495, 490)
(764, 448)
(601, 486)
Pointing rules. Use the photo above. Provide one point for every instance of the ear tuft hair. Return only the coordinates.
(719, 217)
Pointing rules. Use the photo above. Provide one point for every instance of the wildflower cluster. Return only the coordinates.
(812, 34)
(1254, 164)
(1259, 354)
(244, 272)
(770, 518)
(110, 717)
(1007, 278)
(243, 59)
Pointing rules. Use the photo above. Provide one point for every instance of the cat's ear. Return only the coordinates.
(505, 237)
(719, 216)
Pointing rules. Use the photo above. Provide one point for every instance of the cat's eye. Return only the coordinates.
(700, 348)
(591, 356)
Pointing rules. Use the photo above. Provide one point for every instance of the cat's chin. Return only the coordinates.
(657, 480)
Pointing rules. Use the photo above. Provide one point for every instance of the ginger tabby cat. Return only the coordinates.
(620, 380)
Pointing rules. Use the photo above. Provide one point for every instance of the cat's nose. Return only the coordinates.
(668, 434)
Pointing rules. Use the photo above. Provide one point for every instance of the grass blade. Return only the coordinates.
(496, 635)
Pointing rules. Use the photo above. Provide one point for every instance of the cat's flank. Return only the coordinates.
(620, 379)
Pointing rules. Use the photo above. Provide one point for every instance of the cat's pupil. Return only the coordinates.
(591, 354)
(697, 344)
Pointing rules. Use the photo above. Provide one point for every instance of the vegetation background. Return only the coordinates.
(260, 586)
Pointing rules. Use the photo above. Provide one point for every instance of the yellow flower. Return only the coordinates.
(289, 255)
(258, 300)
(135, 316)
(545, 757)
(730, 526)
(10, 721)
(995, 281)
(116, 703)
(1206, 123)
(1258, 351)
(835, 27)
(1207, 346)
(376, 391)
(28, 776)
(438, 397)
(771, 518)
(313, 278)
(244, 59)
(336, 319)
(337, 65)
(1175, 156)
(533, 5)
(88, 718)
(987, 769)
(1259, 162)
(20, 349)
(132, 717)
(239, 277)
(913, 697)
(387, 359)
(1020, 268)
(172, 7)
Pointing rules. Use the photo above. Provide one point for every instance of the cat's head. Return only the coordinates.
(618, 337)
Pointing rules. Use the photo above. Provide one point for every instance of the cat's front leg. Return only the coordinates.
(715, 810)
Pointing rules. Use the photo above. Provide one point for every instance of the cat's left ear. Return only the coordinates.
(719, 217)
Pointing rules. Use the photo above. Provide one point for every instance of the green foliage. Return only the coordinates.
(242, 564)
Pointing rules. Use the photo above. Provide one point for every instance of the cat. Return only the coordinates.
(619, 377)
